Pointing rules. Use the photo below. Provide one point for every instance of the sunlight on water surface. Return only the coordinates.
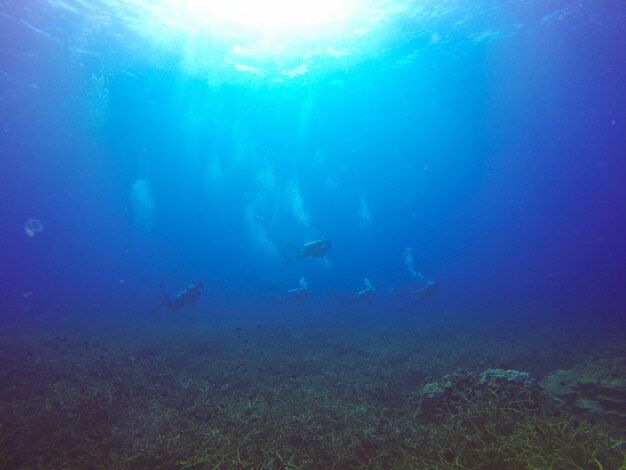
(280, 40)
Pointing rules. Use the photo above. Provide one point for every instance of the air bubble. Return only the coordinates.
(32, 226)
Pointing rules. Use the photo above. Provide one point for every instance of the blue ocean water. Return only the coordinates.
(476, 145)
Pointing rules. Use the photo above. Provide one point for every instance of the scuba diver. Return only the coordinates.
(316, 249)
(299, 294)
(412, 296)
(189, 295)
(417, 294)
(366, 295)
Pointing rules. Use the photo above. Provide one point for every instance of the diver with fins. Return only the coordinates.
(416, 295)
(365, 295)
(315, 249)
(189, 295)
(298, 294)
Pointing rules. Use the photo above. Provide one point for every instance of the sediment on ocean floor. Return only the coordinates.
(286, 398)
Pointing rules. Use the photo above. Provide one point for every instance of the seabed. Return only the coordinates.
(288, 395)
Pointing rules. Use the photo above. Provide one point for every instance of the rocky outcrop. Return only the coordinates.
(461, 389)
(597, 386)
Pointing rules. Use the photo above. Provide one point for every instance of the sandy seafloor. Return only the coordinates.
(296, 393)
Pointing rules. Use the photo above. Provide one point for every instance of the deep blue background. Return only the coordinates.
(500, 163)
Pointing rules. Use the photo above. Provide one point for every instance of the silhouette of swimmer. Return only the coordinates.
(189, 295)
(417, 295)
(316, 249)
(299, 294)
(366, 295)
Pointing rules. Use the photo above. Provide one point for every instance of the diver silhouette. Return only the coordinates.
(315, 249)
(365, 295)
(416, 295)
(299, 294)
(189, 295)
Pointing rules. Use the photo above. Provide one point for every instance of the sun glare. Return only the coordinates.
(289, 23)
(271, 17)
(253, 40)
(262, 38)
(275, 40)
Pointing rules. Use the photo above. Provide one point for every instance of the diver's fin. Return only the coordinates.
(288, 259)
(158, 307)
(289, 245)
(282, 253)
